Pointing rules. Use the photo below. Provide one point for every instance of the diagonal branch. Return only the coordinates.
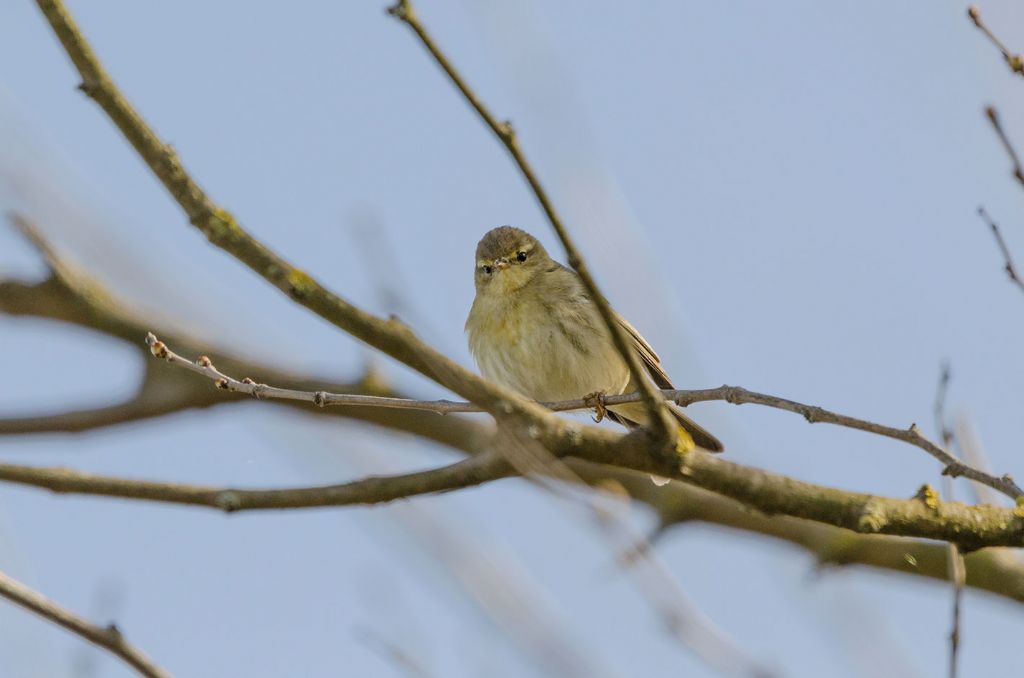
(1014, 61)
(367, 491)
(109, 638)
(665, 429)
(1008, 265)
(1016, 169)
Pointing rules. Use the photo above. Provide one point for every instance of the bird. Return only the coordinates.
(533, 327)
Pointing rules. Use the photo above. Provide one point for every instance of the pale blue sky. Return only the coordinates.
(795, 183)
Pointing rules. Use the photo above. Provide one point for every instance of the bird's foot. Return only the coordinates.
(596, 400)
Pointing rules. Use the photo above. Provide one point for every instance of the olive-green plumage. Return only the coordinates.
(534, 328)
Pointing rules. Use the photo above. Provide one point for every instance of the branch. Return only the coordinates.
(953, 467)
(368, 491)
(998, 571)
(1008, 266)
(1014, 61)
(664, 428)
(109, 638)
(993, 117)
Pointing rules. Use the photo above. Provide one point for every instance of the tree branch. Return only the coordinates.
(664, 428)
(109, 638)
(1017, 170)
(995, 570)
(468, 472)
(1014, 61)
(1008, 265)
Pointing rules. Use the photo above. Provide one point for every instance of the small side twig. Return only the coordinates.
(1008, 265)
(1014, 61)
(108, 637)
(1017, 170)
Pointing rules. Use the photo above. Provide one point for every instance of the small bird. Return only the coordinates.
(534, 328)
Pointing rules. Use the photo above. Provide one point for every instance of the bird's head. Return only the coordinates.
(506, 259)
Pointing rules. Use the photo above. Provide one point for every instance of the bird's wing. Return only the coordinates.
(650, 359)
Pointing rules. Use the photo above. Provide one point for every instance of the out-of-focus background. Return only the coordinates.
(780, 196)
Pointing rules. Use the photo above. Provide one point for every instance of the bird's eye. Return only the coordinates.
(521, 256)
(487, 269)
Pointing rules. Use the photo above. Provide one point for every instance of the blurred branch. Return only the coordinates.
(993, 117)
(371, 490)
(1008, 266)
(665, 430)
(1014, 61)
(108, 638)
(972, 450)
(955, 559)
(397, 656)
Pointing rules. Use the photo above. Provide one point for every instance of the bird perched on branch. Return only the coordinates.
(534, 328)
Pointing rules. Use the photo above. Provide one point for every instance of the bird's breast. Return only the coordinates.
(546, 351)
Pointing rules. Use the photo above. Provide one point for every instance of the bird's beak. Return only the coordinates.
(501, 264)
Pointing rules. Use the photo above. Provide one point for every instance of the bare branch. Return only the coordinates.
(665, 429)
(1017, 170)
(1014, 61)
(1008, 266)
(998, 571)
(109, 638)
(367, 491)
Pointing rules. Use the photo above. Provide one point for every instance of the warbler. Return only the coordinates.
(534, 328)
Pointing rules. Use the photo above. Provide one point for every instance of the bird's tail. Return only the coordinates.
(691, 433)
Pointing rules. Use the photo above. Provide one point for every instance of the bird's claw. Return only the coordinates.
(596, 400)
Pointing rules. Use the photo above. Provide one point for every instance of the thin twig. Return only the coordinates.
(1008, 265)
(109, 637)
(733, 394)
(1017, 170)
(1014, 61)
(664, 428)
